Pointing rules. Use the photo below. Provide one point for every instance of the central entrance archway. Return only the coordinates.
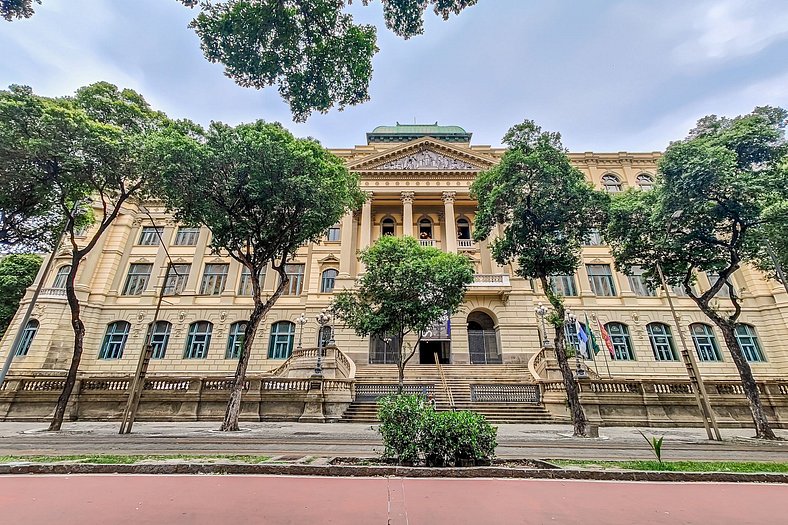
(483, 339)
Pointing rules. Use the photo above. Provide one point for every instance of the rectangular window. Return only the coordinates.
(214, 279)
(187, 236)
(177, 276)
(564, 285)
(638, 283)
(723, 293)
(150, 235)
(601, 279)
(333, 233)
(594, 238)
(137, 280)
(296, 274)
(245, 286)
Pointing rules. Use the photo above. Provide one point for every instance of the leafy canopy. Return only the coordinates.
(261, 191)
(544, 204)
(406, 288)
(17, 272)
(722, 190)
(311, 49)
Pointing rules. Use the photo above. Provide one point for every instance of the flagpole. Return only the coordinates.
(607, 365)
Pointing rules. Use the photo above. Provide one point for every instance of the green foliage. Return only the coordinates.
(681, 466)
(544, 204)
(406, 288)
(655, 444)
(413, 431)
(722, 191)
(10, 9)
(17, 272)
(401, 420)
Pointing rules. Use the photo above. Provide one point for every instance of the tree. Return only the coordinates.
(311, 49)
(717, 187)
(29, 218)
(17, 272)
(263, 194)
(405, 289)
(546, 209)
(90, 148)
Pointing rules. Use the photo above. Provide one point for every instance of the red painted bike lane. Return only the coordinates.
(215, 500)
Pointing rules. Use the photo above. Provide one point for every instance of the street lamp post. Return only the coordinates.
(541, 312)
(323, 318)
(301, 320)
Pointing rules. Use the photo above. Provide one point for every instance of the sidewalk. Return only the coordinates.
(363, 440)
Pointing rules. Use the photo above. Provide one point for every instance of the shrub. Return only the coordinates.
(413, 430)
(400, 424)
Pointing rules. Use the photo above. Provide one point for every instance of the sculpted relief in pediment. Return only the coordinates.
(426, 159)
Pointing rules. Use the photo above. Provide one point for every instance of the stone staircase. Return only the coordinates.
(485, 379)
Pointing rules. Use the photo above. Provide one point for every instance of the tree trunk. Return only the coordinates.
(233, 411)
(762, 428)
(79, 337)
(571, 384)
(400, 377)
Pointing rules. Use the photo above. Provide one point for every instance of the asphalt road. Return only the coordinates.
(212, 500)
(326, 440)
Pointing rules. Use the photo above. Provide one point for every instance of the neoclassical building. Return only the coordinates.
(417, 178)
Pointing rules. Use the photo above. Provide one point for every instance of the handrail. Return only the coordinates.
(443, 381)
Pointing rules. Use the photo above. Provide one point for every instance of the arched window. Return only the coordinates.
(327, 280)
(388, 226)
(115, 340)
(622, 343)
(199, 340)
(463, 228)
(159, 338)
(61, 277)
(425, 228)
(324, 336)
(280, 345)
(27, 337)
(661, 340)
(748, 342)
(705, 342)
(235, 340)
(611, 183)
(644, 181)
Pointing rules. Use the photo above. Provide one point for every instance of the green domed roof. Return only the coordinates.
(408, 132)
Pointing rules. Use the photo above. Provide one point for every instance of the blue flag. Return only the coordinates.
(583, 338)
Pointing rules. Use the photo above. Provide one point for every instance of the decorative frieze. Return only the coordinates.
(426, 159)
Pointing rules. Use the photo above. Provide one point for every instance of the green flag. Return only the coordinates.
(594, 345)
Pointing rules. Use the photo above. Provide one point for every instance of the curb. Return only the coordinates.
(379, 471)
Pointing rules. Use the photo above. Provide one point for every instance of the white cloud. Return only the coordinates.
(724, 29)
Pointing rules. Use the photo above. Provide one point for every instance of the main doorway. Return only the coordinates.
(428, 349)
(483, 340)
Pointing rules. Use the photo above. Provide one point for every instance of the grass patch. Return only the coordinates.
(110, 459)
(679, 466)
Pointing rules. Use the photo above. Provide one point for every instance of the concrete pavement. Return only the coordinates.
(197, 500)
(362, 440)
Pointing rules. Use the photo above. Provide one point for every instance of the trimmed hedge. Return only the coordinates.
(414, 432)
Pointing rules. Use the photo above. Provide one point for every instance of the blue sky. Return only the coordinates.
(627, 75)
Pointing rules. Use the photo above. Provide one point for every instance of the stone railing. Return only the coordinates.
(466, 244)
(491, 279)
(497, 393)
(53, 292)
(665, 402)
(536, 364)
(301, 363)
(427, 242)
(373, 391)
(168, 398)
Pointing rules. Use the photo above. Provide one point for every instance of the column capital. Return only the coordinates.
(449, 196)
(407, 197)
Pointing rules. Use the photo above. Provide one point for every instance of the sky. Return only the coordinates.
(628, 75)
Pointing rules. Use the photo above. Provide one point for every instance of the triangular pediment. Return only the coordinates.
(426, 154)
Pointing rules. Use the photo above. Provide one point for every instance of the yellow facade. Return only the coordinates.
(423, 177)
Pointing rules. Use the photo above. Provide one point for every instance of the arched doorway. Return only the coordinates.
(483, 339)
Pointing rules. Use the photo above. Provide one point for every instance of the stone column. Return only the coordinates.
(407, 213)
(346, 245)
(450, 228)
(366, 221)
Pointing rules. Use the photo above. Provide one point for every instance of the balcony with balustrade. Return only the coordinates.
(490, 284)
